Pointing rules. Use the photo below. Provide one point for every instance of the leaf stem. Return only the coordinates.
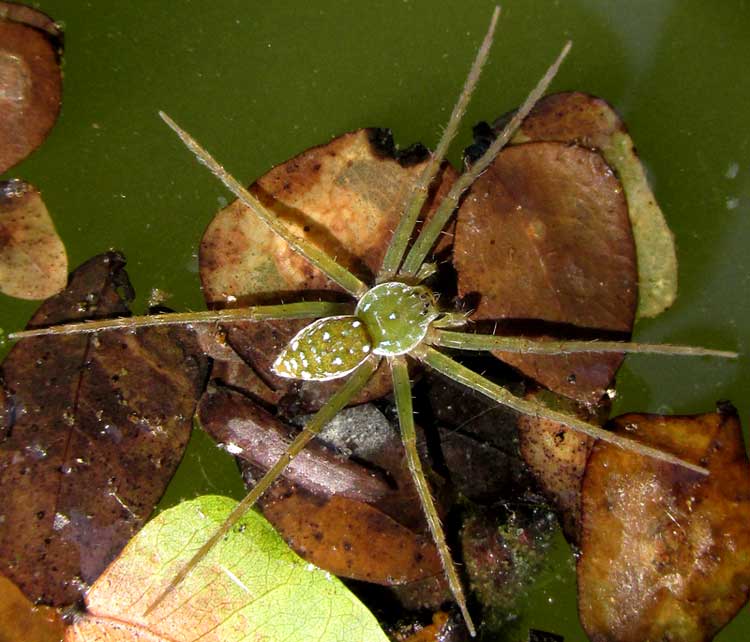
(402, 392)
(342, 397)
(301, 310)
(432, 229)
(396, 248)
(461, 374)
(310, 252)
(523, 345)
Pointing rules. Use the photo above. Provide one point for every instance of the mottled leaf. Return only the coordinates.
(345, 197)
(334, 512)
(592, 122)
(30, 81)
(557, 456)
(33, 262)
(544, 235)
(250, 587)
(21, 620)
(96, 426)
(665, 553)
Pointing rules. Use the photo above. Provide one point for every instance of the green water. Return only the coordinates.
(259, 82)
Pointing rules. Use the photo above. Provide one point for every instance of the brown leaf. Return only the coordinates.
(557, 456)
(346, 197)
(334, 512)
(574, 117)
(33, 262)
(666, 552)
(97, 425)
(544, 235)
(21, 620)
(30, 81)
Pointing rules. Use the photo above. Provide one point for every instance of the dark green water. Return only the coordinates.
(260, 82)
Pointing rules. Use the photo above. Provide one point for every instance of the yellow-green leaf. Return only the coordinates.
(251, 586)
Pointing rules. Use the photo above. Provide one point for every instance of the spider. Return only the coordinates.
(395, 319)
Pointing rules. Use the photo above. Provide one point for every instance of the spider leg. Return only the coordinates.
(461, 374)
(343, 396)
(470, 341)
(301, 310)
(400, 239)
(402, 391)
(310, 252)
(432, 229)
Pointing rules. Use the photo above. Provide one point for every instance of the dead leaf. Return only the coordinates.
(97, 425)
(21, 620)
(665, 553)
(589, 121)
(30, 81)
(33, 262)
(334, 512)
(557, 456)
(346, 197)
(544, 235)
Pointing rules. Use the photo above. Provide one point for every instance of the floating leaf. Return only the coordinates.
(544, 235)
(21, 620)
(665, 553)
(250, 587)
(96, 426)
(33, 262)
(346, 197)
(592, 122)
(30, 81)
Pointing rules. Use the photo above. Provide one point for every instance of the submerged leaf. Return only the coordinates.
(334, 512)
(589, 121)
(33, 262)
(30, 81)
(21, 620)
(665, 553)
(544, 235)
(96, 426)
(250, 587)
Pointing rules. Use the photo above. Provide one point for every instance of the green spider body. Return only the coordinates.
(391, 319)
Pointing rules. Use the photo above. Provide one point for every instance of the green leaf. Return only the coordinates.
(251, 586)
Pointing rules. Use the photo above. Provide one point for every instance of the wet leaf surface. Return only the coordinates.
(360, 523)
(665, 552)
(96, 425)
(250, 587)
(30, 80)
(557, 456)
(586, 120)
(346, 197)
(544, 235)
(21, 620)
(33, 262)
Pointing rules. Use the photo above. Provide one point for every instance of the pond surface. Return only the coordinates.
(259, 82)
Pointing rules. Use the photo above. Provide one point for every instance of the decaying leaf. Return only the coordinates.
(21, 620)
(96, 426)
(251, 588)
(30, 80)
(346, 197)
(335, 513)
(557, 456)
(579, 118)
(665, 553)
(544, 235)
(33, 262)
